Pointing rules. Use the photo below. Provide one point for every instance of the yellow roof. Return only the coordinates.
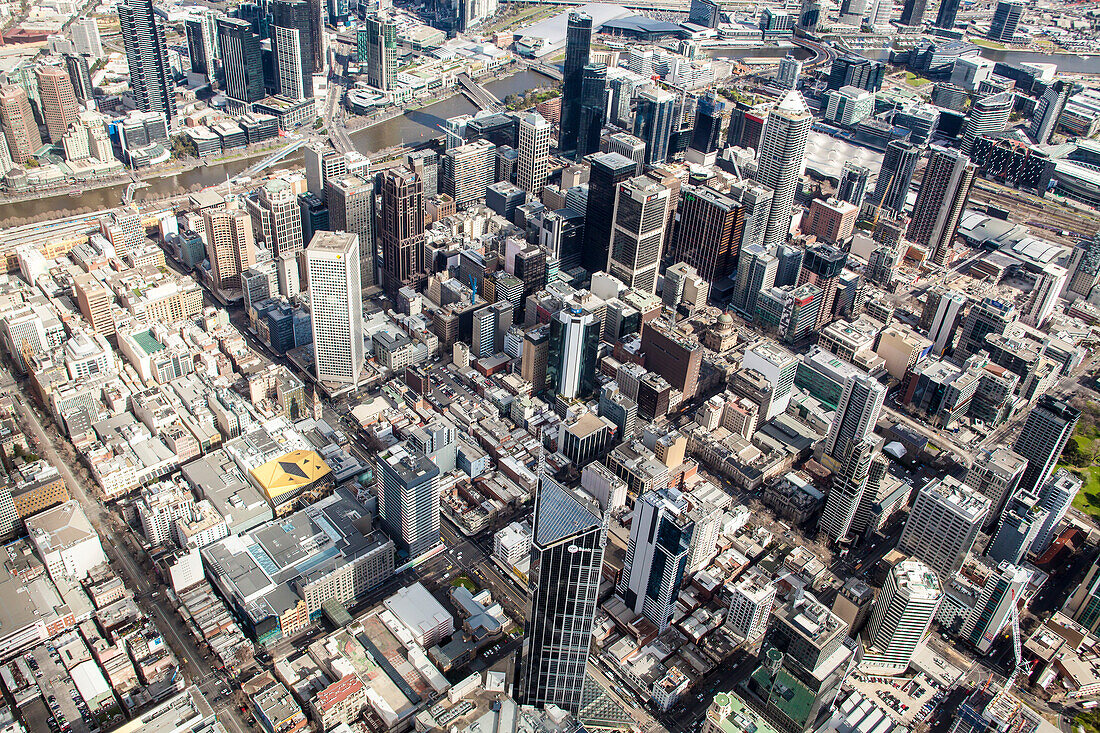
(290, 472)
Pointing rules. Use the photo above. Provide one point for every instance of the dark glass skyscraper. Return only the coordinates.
(593, 108)
(244, 70)
(710, 121)
(608, 170)
(147, 58)
(709, 234)
(377, 47)
(655, 121)
(578, 44)
(292, 43)
(1049, 426)
(853, 183)
(945, 18)
(912, 12)
(705, 13)
(896, 174)
(402, 230)
(856, 71)
(1005, 19)
(566, 557)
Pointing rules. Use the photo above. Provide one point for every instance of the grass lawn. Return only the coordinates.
(1087, 500)
(915, 81)
(464, 582)
(986, 42)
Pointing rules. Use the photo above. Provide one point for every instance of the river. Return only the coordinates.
(414, 126)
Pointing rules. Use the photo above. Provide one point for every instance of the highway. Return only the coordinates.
(195, 669)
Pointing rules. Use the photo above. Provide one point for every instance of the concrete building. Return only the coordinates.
(751, 600)
(904, 610)
(66, 542)
(336, 307)
(943, 524)
(408, 498)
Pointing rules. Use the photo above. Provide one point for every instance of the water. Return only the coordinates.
(414, 126)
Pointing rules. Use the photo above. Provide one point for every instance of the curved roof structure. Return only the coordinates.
(291, 472)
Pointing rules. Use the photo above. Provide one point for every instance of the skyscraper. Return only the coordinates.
(782, 161)
(86, 42)
(706, 13)
(853, 183)
(1084, 268)
(846, 491)
(996, 475)
(856, 414)
(941, 316)
(856, 71)
(292, 46)
(408, 498)
(756, 270)
(656, 555)
(402, 231)
(709, 133)
(593, 109)
(1005, 20)
(17, 121)
(80, 77)
(147, 58)
(945, 17)
(638, 231)
(1049, 425)
(778, 366)
(987, 116)
(322, 164)
(280, 221)
(202, 42)
(336, 307)
(578, 44)
(467, 171)
(230, 246)
(912, 12)
(571, 356)
(534, 153)
(241, 59)
(941, 200)
(896, 173)
(1048, 110)
(708, 236)
(59, 108)
(377, 46)
(607, 171)
(985, 317)
(821, 266)
(351, 209)
(790, 69)
(904, 610)
(566, 557)
(943, 524)
(751, 600)
(1017, 529)
(655, 121)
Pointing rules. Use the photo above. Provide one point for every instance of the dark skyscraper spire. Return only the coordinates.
(578, 43)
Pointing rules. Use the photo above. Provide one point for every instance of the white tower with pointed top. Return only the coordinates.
(782, 161)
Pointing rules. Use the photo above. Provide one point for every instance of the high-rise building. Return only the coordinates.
(627, 146)
(751, 600)
(94, 301)
(858, 72)
(1049, 425)
(945, 16)
(790, 69)
(986, 317)
(638, 232)
(578, 44)
(856, 414)
(756, 272)
(572, 352)
(402, 231)
(756, 203)
(86, 42)
(336, 307)
(315, 216)
(941, 316)
(706, 13)
(853, 183)
(201, 29)
(151, 80)
(673, 356)
(593, 109)
(607, 171)
(943, 524)
(1084, 269)
(567, 548)
(1044, 296)
(821, 266)
(708, 236)
(896, 173)
(904, 610)
(655, 121)
(242, 61)
(782, 161)
(408, 497)
(912, 12)
(942, 197)
(230, 246)
(80, 77)
(656, 555)
(377, 47)
(534, 358)
(709, 133)
(292, 47)
(59, 108)
(1006, 18)
(996, 474)
(17, 121)
(986, 116)
(467, 171)
(790, 258)
(534, 153)
(831, 220)
(1017, 529)
(849, 484)
(280, 222)
(1003, 586)
(778, 366)
(1048, 110)
(1084, 605)
(351, 209)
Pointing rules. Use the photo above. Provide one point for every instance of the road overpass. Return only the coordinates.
(478, 94)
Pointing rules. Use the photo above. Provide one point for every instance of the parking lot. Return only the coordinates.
(908, 700)
(66, 708)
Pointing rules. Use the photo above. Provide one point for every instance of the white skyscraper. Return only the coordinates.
(903, 612)
(856, 414)
(782, 161)
(846, 492)
(943, 524)
(408, 497)
(86, 41)
(1056, 496)
(1044, 296)
(750, 606)
(288, 62)
(534, 153)
(657, 555)
(336, 306)
(779, 367)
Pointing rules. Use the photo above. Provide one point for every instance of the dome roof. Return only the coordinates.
(725, 318)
